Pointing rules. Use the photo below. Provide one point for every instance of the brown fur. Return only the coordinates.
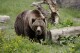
(26, 24)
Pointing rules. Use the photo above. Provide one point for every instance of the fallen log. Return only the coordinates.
(55, 34)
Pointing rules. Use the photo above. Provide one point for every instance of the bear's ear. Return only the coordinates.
(36, 13)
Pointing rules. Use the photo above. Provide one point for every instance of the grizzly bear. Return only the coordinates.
(31, 23)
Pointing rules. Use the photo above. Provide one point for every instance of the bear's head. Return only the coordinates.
(37, 22)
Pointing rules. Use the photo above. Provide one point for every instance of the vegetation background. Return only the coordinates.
(11, 43)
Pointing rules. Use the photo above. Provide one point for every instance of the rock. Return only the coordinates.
(4, 18)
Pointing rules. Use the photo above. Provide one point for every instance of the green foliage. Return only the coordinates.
(67, 22)
(67, 16)
(19, 45)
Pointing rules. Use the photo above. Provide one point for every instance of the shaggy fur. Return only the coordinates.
(27, 22)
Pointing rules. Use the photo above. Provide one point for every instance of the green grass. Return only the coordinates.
(11, 43)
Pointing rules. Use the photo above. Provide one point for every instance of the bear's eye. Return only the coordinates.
(33, 20)
(44, 20)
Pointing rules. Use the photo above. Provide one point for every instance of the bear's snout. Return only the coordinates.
(38, 31)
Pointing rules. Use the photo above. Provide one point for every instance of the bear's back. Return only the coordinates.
(19, 23)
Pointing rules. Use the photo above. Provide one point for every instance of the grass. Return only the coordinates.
(11, 43)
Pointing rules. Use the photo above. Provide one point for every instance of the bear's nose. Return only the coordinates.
(38, 31)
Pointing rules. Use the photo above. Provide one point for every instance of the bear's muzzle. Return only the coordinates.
(38, 31)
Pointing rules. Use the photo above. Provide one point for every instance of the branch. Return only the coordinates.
(40, 8)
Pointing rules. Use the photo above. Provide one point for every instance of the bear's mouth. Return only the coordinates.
(38, 33)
